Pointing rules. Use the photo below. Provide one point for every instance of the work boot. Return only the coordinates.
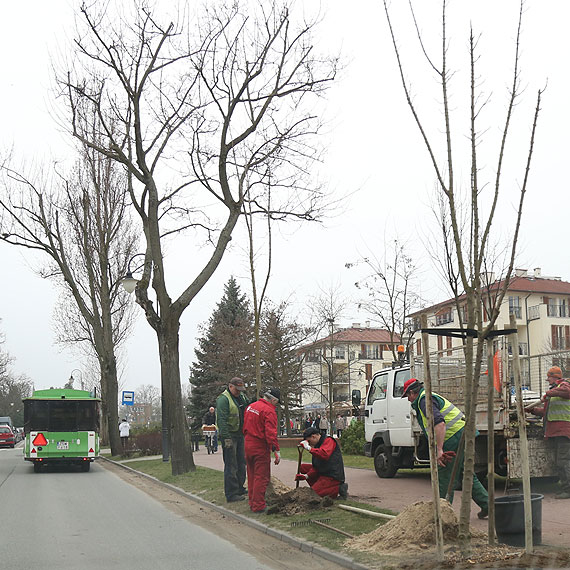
(563, 495)
(343, 490)
(483, 513)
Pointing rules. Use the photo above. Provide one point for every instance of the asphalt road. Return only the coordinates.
(67, 519)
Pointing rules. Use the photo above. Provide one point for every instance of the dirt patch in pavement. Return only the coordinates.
(286, 501)
(411, 538)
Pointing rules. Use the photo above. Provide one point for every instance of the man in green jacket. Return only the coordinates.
(230, 407)
(448, 428)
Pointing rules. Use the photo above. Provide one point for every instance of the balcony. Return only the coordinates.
(533, 313)
(557, 311)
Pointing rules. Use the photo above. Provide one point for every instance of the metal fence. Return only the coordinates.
(447, 368)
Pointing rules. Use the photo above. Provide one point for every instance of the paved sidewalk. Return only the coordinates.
(397, 493)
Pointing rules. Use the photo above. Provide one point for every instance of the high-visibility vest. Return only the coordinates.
(233, 416)
(452, 415)
(558, 410)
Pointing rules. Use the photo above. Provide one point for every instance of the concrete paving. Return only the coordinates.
(405, 488)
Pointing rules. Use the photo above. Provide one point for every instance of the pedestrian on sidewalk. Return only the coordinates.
(209, 419)
(230, 407)
(260, 431)
(448, 427)
(124, 431)
(556, 414)
(324, 425)
(325, 474)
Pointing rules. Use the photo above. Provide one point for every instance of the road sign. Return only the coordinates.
(128, 398)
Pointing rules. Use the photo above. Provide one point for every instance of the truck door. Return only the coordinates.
(399, 419)
(375, 409)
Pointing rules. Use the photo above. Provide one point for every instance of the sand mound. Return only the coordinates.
(282, 499)
(414, 525)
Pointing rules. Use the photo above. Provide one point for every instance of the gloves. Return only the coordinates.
(300, 477)
(305, 444)
(228, 443)
(277, 457)
(446, 457)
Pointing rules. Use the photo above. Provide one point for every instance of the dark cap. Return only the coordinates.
(238, 383)
(411, 385)
(310, 431)
(274, 393)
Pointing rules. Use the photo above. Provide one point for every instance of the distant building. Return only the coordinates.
(140, 414)
(540, 304)
(349, 357)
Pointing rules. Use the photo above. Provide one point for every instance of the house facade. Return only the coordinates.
(341, 362)
(540, 305)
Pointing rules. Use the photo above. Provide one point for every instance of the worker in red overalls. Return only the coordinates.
(325, 474)
(260, 431)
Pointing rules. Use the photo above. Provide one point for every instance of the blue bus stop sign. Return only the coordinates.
(128, 398)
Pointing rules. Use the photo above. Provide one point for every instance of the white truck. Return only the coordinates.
(395, 440)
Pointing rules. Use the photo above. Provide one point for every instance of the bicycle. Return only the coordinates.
(209, 434)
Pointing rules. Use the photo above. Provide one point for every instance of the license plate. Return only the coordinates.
(63, 444)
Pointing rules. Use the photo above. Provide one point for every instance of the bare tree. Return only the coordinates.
(200, 112)
(389, 288)
(81, 224)
(466, 238)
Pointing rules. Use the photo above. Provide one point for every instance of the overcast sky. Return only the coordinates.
(375, 157)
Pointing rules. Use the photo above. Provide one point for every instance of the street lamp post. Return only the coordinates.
(129, 283)
(71, 378)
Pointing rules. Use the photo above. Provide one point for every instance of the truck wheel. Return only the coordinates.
(37, 467)
(85, 466)
(384, 464)
(501, 462)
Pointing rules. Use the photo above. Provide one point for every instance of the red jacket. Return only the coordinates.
(260, 422)
(552, 428)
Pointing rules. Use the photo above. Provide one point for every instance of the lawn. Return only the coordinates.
(209, 483)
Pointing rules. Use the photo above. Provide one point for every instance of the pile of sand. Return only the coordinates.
(414, 525)
(284, 500)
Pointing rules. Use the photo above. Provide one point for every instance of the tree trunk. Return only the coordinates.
(111, 403)
(182, 460)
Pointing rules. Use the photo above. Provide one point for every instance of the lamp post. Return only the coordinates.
(129, 283)
(71, 378)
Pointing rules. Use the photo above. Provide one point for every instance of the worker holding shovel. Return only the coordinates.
(325, 474)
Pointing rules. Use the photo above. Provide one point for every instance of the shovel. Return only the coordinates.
(300, 450)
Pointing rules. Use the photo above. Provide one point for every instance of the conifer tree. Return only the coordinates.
(226, 350)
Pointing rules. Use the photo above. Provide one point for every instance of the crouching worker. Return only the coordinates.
(326, 473)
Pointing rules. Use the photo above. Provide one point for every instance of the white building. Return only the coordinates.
(541, 306)
(344, 361)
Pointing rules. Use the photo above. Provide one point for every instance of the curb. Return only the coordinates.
(302, 545)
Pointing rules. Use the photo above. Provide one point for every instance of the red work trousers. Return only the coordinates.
(258, 464)
(322, 485)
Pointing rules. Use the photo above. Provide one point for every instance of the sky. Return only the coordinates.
(375, 160)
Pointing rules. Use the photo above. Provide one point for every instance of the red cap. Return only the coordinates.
(411, 385)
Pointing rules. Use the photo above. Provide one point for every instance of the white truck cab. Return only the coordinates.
(388, 423)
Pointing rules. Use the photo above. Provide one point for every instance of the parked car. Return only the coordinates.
(7, 436)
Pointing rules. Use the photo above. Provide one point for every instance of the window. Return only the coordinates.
(444, 316)
(370, 351)
(399, 381)
(557, 307)
(514, 306)
(378, 389)
(560, 337)
(312, 356)
(339, 352)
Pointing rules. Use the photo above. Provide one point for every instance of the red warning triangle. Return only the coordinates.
(39, 440)
(91, 450)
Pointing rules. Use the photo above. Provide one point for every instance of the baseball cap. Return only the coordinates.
(238, 383)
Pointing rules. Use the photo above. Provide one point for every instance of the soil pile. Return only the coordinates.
(413, 526)
(286, 501)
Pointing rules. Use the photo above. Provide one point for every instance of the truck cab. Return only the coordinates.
(389, 433)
